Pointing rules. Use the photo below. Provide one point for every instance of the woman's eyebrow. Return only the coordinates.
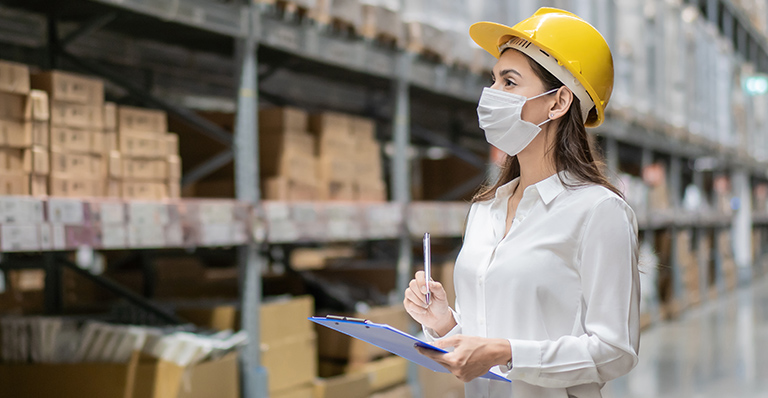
(505, 71)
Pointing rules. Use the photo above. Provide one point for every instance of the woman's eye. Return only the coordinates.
(509, 83)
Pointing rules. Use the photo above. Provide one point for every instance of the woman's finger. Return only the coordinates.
(411, 299)
(419, 297)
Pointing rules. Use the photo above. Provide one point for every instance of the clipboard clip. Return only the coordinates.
(346, 318)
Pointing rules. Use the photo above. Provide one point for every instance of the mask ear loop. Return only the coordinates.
(551, 115)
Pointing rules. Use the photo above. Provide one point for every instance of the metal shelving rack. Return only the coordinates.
(250, 26)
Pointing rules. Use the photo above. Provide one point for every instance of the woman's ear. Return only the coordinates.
(563, 100)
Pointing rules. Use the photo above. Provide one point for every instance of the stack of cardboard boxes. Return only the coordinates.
(368, 177)
(335, 155)
(151, 166)
(77, 122)
(23, 133)
(287, 155)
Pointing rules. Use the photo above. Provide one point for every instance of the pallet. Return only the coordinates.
(383, 26)
(429, 42)
(296, 10)
(339, 16)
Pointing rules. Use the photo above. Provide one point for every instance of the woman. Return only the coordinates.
(546, 281)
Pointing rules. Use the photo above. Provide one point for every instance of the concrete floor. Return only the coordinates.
(717, 350)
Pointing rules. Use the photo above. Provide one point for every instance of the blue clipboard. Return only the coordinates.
(390, 339)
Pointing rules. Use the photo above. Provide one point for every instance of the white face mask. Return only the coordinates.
(499, 115)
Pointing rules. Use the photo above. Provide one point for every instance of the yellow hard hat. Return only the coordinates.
(582, 58)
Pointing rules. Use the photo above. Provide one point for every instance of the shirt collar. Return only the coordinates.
(548, 188)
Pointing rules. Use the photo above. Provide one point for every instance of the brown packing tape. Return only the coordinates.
(14, 77)
(69, 87)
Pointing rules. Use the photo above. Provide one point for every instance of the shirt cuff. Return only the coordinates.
(526, 359)
(431, 335)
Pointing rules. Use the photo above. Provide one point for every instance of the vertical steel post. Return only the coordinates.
(401, 182)
(742, 225)
(246, 151)
(675, 185)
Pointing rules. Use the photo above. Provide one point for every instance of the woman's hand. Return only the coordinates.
(437, 315)
(472, 356)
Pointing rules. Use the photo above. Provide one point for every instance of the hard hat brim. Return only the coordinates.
(488, 35)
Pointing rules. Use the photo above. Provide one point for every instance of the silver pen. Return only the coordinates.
(427, 264)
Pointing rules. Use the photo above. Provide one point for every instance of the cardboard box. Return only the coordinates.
(374, 190)
(68, 164)
(335, 345)
(38, 185)
(287, 141)
(68, 139)
(69, 87)
(218, 317)
(286, 317)
(174, 189)
(40, 133)
(115, 167)
(11, 160)
(14, 184)
(401, 391)
(174, 167)
(172, 144)
(355, 385)
(290, 361)
(110, 117)
(145, 169)
(278, 120)
(142, 145)
(295, 166)
(110, 142)
(305, 391)
(36, 161)
(384, 373)
(16, 107)
(282, 188)
(363, 129)
(439, 385)
(144, 190)
(104, 380)
(331, 124)
(15, 134)
(161, 379)
(335, 169)
(132, 120)
(343, 191)
(75, 187)
(41, 110)
(14, 77)
(77, 115)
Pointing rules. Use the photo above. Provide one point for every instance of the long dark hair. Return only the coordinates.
(574, 148)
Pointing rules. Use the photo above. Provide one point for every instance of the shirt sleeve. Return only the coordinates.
(431, 335)
(607, 265)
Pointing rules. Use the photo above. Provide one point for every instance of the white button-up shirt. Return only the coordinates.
(562, 286)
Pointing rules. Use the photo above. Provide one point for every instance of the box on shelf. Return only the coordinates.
(330, 124)
(278, 120)
(76, 165)
(172, 144)
(282, 188)
(75, 186)
(77, 115)
(131, 120)
(156, 378)
(336, 191)
(107, 380)
(14, 77)
(41, 110)
(69, 87)
(144, 190)
(336, 169)
(401, 391)
(342, 14)
(439, 385)
(14, 183)
(296, 166)
(353, 385)
(303, 391)
(145, 169)
(16, 134)
(110, 116)
(216, 317)
(383, 373)
(37, 161)
(145, 145)
(293, 141)
(374, 190)
(381, 23)
(15, 107)
(290, 361)
(76, 140)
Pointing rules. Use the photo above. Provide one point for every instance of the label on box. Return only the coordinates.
(152, 213)
(66, 211)
(21, 210)
(19, 238)
(114, 236)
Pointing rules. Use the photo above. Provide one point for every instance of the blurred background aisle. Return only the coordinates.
(717, 350)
